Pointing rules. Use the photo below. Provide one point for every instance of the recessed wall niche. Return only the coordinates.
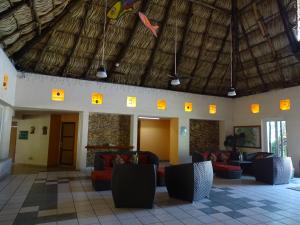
(107, 129)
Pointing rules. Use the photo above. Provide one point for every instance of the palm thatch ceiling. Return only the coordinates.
(64, 38)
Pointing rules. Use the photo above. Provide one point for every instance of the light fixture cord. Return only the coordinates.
(175, 44)
(104, 34)
(231, 52)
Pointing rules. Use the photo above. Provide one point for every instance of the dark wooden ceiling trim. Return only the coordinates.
(157, 42)
(63, 69)
(253, 57)
(17, 55)
(295, 45)
(204, 37)
(266, 35)
(214, 66)
(128, 42)
(179, 57)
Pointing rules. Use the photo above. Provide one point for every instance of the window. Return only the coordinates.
(277, 137)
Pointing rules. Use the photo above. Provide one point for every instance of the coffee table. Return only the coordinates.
(246, 166)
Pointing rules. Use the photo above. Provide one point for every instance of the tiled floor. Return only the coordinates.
(67, 198)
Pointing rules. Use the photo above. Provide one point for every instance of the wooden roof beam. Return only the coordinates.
(122, 52)
(264, 32)
(63, 69)
(156, 45)
(185, 32)
(201, 48)
(215, 62)
(35, 15)
(17, 55)
(253, 57)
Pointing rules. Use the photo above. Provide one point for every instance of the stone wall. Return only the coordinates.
(204, 135)
(107, 129)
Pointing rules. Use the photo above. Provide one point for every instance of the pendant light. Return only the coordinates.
(101, 73)
(231, 92)
(175, 81)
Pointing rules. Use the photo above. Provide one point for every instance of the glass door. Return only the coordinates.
(277, 137)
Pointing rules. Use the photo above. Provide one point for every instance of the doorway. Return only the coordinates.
(13, 141)
(67, 143)
(160, 136)
(276, 137)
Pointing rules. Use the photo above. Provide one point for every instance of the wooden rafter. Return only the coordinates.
(41, 56)
(243, 74)
(124, 49)
(201, 48)
(253, 57)
(216, 60)
(264, 32)
(295, 45)
(63, 69)
(235, 39)
(187, 18)
(35, 15)
(17, 55)
(156, 45)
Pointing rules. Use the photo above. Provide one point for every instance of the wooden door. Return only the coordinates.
(54, 141)
(13, 142)
(67, 143)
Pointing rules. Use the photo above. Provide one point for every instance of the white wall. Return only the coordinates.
(34, 92)
(33, 151)
(269, 104)
(7, 100)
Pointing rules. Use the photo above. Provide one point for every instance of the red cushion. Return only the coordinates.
(204, 155)
(126, 157)
(225, 167)
(143, 159)
(102, 174)
(161, 172)
(107, 158)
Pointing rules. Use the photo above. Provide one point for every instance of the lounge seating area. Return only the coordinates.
(139, 112)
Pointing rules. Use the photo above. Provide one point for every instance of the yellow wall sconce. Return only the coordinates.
(161, 104)
(131, 101)
(188, 106)
(97, 98)
(285, 104)
(58, 95)
(5, 81)
(212, 109)
(255, 108)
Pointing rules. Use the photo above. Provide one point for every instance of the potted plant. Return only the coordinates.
(232, 141)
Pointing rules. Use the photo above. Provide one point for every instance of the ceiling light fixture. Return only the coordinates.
(102, 71)
(175, 82)
(148, 118)
(231, 92)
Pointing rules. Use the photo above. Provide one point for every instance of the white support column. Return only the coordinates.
(134, 131)
(82, 140)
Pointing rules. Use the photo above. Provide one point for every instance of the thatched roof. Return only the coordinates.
(64, 38)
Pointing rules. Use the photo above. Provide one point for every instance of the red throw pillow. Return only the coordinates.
(107, 158)
(205, 155)
(213, 157)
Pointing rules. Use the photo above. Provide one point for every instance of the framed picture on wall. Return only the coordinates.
(252, 136)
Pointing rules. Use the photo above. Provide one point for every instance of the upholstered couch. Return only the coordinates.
(220, 161)
(104, 161)
(274, 170)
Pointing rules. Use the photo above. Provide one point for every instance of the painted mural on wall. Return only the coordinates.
(107, 129)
